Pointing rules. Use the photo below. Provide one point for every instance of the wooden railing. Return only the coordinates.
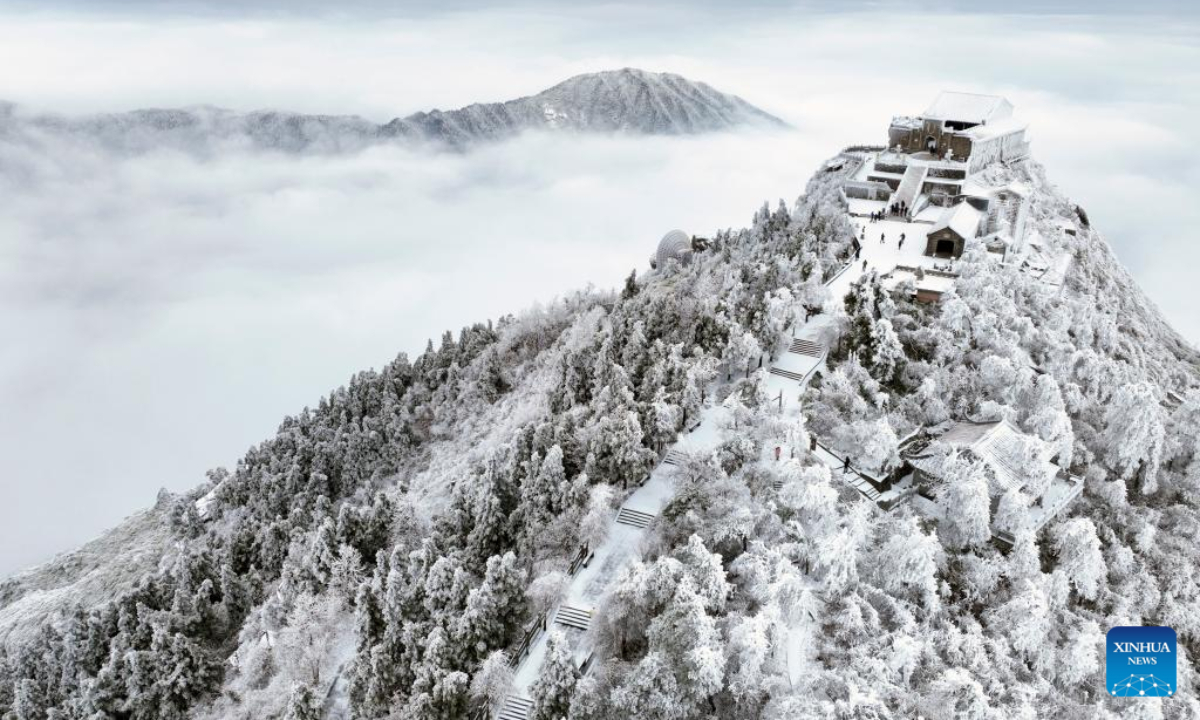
(538, 626)
(581, 559)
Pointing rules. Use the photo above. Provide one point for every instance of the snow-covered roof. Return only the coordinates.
(675, 245)
(968, 107)
(1002, 126)
(998, 444)
(961, 218)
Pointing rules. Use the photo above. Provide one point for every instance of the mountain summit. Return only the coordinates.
(618, 101)
(626, 100)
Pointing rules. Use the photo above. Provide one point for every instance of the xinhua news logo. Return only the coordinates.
(1140, 662)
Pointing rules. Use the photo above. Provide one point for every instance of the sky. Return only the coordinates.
(163, 313)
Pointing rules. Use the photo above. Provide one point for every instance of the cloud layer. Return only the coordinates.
(163, 312)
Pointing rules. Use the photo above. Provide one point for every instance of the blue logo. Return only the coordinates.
(1140, 662)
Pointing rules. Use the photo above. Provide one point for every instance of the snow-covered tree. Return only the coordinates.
(493, 609)
(964, 502)
(1079, 556)
(1133, 435)
(551, 692)
(493, 683)
(1025, 620)
(910, 559)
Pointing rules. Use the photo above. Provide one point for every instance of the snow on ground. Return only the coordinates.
(801, 641)
(881, 244)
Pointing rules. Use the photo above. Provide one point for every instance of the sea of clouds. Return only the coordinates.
(162, 311)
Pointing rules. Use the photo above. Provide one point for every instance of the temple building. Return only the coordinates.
(1013, 463)
(977, 130)
(929, 173)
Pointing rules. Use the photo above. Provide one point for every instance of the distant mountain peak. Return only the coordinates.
(626, 100)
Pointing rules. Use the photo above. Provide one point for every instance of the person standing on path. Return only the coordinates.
(882, 238)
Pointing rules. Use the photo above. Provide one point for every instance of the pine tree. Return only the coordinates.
(493, 609)
(551, 692)
(631, 286)
(887, 358)
(912, 559)
(651, 691)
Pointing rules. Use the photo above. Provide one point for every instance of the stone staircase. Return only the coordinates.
(573, 617)
(634, 518)
(515, 708)
(910, 187)
(674, 457)
(798, 377)
(800, 346)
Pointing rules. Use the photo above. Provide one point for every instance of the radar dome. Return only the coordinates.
(675, 245)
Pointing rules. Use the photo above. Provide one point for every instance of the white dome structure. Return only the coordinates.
(675, 245)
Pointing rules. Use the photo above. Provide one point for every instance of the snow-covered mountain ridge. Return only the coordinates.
(625, 101)
(386, 553)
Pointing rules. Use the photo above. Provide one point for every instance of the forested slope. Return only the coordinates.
(372, 557)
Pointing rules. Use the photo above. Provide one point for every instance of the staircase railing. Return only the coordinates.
(538, 626)
(581, 559)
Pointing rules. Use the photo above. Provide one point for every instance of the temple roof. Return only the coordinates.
(968, 107)
(999, 445)
(961, 218)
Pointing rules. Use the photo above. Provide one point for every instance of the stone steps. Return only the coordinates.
(910, 186)
(674, 457)
(807, 347)
(798, 377)
(573, 617)
(515, 708)
(634, 518)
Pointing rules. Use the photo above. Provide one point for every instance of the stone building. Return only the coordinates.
(975, 129)
(930, 173)
(954, 227)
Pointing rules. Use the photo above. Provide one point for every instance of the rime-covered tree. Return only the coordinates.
(493, 609)
(551, 692)
(1133, 434)
(964, 502)
(1079, 556)
(492, 684)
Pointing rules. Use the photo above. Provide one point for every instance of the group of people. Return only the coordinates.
(896, 208)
